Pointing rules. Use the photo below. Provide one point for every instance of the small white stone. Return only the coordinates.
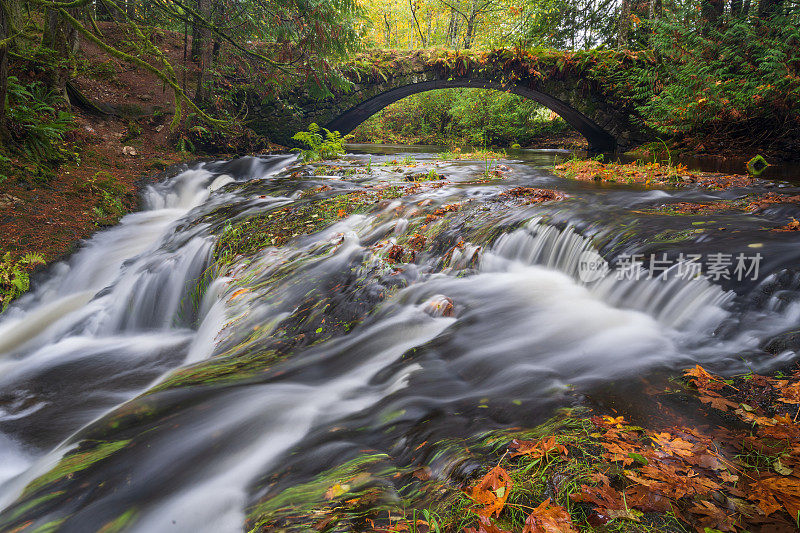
(129, 150)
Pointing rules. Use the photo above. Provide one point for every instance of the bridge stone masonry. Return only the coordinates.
(580, 87)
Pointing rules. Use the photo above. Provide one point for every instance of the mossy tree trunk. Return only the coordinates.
(20, 26)
(197, 29)
(624, 23)
(5, 39)
(711, 11)
(62, 37)
(204, 51)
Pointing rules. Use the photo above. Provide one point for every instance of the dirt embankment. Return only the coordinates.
(50, 217)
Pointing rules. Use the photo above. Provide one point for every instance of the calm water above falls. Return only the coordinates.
(354, 349)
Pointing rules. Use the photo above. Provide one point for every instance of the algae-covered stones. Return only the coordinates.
(756, 165)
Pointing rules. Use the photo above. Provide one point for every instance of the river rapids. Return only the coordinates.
(171, 376)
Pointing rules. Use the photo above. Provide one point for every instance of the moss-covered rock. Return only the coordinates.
(276, 228)
(74, 462)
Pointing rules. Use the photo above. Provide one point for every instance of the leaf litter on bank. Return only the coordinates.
(648, 174)
(704, 476)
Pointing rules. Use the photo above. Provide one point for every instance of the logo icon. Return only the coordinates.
(592, 266)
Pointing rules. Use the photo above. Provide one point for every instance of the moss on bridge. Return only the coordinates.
(590, 89)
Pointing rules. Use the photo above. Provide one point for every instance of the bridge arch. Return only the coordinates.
(598, 138)
(375, 79)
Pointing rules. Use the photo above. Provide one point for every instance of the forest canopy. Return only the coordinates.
(725, 71)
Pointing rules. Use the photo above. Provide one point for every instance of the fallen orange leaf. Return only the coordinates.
(492, 492)
(548, 518)
(537, 448)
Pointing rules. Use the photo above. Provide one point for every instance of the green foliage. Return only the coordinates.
(108, 211)
(36, 124)
(133, 131)
(184, 145)
(14, 277)
(109, 208)
(566, 24)
(461, 116)
(5, 167)
(321, 143)
(103, 182)
(475, 155)
(740, 79)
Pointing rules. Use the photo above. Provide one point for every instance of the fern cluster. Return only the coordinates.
(320, 143)
(36, 124)
(740, 79)
(14, 277)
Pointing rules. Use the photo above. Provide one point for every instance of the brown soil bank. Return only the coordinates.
(50, 217)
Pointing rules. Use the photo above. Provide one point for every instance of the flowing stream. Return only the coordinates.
(146, 384)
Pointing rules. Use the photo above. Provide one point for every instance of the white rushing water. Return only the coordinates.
(114, 320)
(93, 320)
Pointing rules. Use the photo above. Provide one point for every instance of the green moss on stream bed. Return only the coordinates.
(219, 370)
(371, 492)
(277, 227)
(72, 463)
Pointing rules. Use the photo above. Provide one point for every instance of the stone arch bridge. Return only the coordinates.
(577, 86)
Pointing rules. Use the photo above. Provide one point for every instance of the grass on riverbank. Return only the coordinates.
(648, 174)
(580, 471)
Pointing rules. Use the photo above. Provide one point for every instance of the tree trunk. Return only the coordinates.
(5, 32)
(220, 17)
(204, 50)
(61, 37)
(17, 18)
(387, 30)
(767, 8)
(429, 29)
(624, 24)
(414, 10)
(711, 11)
(469, 31)
(656, 9)
(573, 16)
(452, 28)
(197, 27)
